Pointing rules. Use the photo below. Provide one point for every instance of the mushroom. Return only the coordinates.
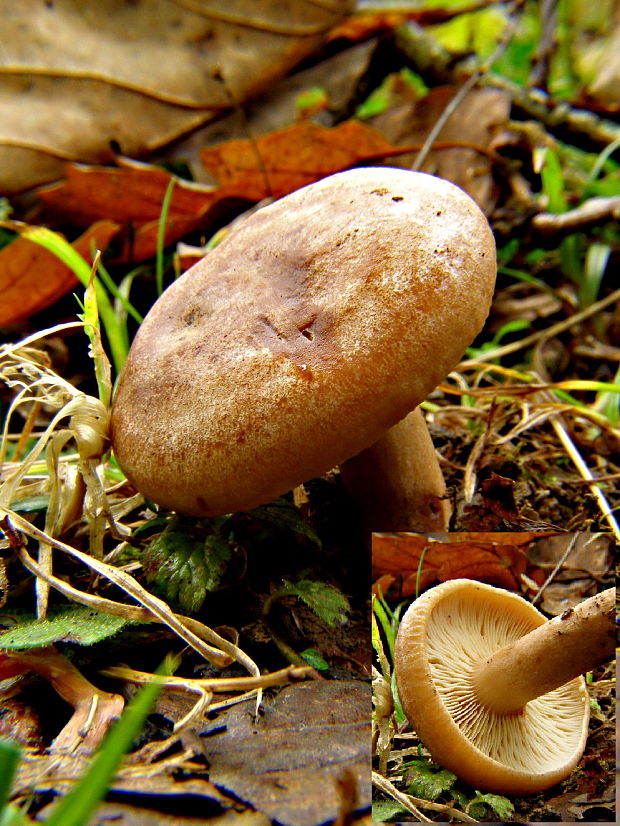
(397, 483)
(493, 689)
(318, 324)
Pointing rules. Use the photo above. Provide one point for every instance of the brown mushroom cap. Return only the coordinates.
(317, 325)
(444, 638)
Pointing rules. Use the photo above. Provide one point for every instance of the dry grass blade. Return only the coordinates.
(154, 607)
(550, 332)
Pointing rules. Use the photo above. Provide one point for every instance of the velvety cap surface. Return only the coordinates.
(320, 322)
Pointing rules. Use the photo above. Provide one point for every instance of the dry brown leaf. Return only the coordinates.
(131, 194)
(396, 557)
(290, 158)
(291, 762)
(32, 278)
(81, 80)
(275, 164)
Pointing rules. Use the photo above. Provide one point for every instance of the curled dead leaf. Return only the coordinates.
(32, 278)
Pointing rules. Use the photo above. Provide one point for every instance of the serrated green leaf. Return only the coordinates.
(326, 601)
(187, 560)
(427, 780)
(386, 810)
(76, 624)
(500, 805)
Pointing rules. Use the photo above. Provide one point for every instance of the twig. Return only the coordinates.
(546, 44)
(426, 54)
(550, 332)
(561, 561)
(590, 212)
(469, 84)
(554, 114)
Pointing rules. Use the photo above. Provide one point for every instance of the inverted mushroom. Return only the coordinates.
(317, 325)
(493, 689)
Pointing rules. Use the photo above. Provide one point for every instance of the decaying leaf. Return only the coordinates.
(291, 762)
(494, 558)
(462, 154)
(247, 170)
(31, 278)
(290, 158)
(81, 80)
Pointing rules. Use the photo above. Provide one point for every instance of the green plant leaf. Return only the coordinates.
(428, 780)
(10, 754)
(327, 602)
(314, 658)
(311, 99)
(61, 248)
(284, 515)
(188, 560)
(77, 624)
(500, 805)
(384, 811)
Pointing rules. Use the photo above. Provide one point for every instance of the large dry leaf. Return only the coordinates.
(493, 558)
(32, 278)
(84, 79)
(291, 762)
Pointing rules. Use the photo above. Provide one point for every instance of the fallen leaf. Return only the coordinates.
(80, 80)
(131, 194)
(290, 158)
(124, 814)
(290, 761)
(398, 556)
(247, 170)
(32, 278)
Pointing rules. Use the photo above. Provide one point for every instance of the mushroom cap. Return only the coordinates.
(442, 637)
(320, 322)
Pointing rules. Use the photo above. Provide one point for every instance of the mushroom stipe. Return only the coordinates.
(320, 322)
(493, 689)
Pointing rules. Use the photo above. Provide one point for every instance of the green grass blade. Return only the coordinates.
(161, 236)
(10, 754)
(62, 249)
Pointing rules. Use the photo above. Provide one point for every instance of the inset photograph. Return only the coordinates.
(494, 677)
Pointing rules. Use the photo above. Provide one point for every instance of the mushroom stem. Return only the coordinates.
(550, 656)
(397, 483)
